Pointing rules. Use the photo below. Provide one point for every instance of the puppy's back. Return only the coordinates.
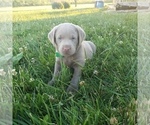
(89, 49)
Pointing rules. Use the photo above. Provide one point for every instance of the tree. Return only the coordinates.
(75, 1)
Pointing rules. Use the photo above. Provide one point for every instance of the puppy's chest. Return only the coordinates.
(68, 61)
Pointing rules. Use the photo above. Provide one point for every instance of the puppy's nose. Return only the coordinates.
(66, 48)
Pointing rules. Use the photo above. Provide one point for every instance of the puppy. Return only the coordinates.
(71, 49)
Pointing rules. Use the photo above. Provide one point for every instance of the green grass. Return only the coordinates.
(107, 97)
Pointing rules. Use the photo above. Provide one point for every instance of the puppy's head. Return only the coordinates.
(66, 38)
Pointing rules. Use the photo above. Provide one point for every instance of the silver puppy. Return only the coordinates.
(71, 49)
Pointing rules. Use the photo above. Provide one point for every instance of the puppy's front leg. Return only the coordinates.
(57, 69)
(73, 87)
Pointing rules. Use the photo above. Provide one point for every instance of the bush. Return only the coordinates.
(66, 4)
(57, 5)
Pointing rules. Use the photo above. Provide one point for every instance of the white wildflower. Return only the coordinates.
(144, 50)
(82, 83)
(95, 72)
(21, 49)
(120, 42)
(133, 50)
(113, 121)
(25, 48)
(51, 97)
(114, 109)
(60, 103)
(32, 60)
(2, 72)
(9, 49)
(31, 80)
(123, 27)
(148, 102)
(14, 72)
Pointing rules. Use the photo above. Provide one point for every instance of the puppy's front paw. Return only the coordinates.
(51, 82)
(72, 88)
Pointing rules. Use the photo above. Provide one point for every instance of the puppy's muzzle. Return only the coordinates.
(66, 48)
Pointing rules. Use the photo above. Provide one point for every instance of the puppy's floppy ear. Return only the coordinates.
(51, 36)
(81, 33)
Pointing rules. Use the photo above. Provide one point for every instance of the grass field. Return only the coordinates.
(108, 89)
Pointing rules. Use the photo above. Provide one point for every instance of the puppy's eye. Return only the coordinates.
(73, 38)
(59, 37)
